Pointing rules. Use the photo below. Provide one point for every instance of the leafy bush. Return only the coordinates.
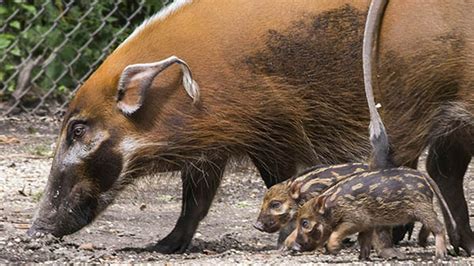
(64, 41)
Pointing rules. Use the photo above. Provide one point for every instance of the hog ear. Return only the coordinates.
(136, 79)
(295, 190)
(320, 204)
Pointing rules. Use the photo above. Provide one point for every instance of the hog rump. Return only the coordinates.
(200, 83)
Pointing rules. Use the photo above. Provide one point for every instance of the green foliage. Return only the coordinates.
(68, 39)
(37, 196)
(42, 150)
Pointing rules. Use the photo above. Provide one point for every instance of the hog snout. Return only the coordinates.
(66, 216)
(37, 230)
(259, 226)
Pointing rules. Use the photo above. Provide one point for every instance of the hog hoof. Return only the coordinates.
(167, 246)
(391, 253)
(175, 242)
(466, 241)
(455, 252)
(468, 246)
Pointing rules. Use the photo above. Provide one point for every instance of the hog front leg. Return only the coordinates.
(200, 183)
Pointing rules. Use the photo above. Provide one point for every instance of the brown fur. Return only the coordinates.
(296, 191)
(282, 200)
(282, 85)
(365, 201)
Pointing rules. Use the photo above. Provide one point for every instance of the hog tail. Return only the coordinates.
(381, 156)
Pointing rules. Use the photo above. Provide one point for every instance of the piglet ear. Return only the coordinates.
(295, 190)
(136, 80)
(320, 204)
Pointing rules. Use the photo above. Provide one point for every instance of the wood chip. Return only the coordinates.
(8, 139)
(22, 226)
(87, 246)
(209, 252)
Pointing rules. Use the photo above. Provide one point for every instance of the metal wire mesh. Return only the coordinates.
(49, 48)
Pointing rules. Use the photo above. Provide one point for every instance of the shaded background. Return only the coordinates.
(48, 48)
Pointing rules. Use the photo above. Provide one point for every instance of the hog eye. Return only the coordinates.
(305, 224)
(78, 130)
(275, 204)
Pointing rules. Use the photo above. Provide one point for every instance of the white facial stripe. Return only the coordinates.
(78, 151)
(282, 210)
(161, 15)
(320, 228)
(129, 145)
(293, 212)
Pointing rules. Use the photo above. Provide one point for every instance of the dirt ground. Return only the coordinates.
(145, 213)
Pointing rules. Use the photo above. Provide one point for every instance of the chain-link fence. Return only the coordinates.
(48, 48)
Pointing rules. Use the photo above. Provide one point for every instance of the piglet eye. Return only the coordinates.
(275, 204)
(78, 131)
(305, 224)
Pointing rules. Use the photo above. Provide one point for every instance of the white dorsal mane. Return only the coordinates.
(160, 15)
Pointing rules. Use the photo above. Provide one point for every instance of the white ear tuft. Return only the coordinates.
(189, 83)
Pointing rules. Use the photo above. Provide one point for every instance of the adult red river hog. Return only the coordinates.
(280, 82)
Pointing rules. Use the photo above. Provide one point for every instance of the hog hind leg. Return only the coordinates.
(448, 160)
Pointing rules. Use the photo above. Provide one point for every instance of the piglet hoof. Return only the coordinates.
(364, 253)
(332, 249)
(423, 236)
(391, 253)
(441, 254)
(283, 249)
(422, 242)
